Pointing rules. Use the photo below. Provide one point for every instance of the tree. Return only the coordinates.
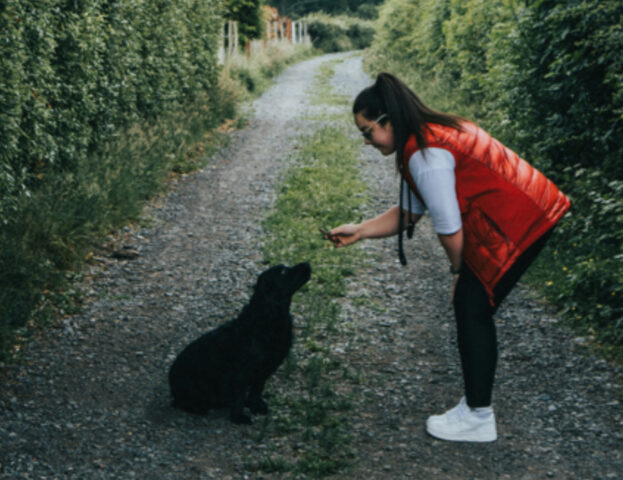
(248, 14)
(296, 8)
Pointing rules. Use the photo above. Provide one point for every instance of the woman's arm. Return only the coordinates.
(384, 225)
(453, 245)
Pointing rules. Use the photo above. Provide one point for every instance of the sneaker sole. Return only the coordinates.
(465, 437)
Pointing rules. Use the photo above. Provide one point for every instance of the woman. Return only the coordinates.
(491, 210)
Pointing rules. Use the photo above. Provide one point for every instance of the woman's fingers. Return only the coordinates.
(342, 235)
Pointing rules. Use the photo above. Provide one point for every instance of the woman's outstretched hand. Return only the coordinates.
(383, 225)
(343, 235)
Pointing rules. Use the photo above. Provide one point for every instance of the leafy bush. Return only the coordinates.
(467, 40)
(99, 100)
(341, 33)
(254, 72)
(75, 73)
(363, 9)
(248, 14)
(585, 272)
(562, 72)
(559, 101)
(409, 41)
(367, 11)
(544, 77)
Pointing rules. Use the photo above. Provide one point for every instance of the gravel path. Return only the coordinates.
(90, 399)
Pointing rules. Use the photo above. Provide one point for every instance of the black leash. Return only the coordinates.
(401, 222)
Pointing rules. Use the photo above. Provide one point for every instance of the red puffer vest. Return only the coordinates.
(506, 204)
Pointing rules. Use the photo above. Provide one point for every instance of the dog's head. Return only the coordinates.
(281, 281)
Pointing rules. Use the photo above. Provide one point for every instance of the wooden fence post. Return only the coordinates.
(228, 42)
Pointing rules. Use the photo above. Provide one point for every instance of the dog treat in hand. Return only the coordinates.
(326, 233)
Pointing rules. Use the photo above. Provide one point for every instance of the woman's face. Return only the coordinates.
(374, 133)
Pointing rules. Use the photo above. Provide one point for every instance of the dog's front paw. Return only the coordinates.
(240, 418)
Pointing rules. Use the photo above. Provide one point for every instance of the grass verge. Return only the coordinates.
(321, 189)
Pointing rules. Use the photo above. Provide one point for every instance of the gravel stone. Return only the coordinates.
(90, 398)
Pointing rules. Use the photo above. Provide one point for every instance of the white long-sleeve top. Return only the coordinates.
(432, 169)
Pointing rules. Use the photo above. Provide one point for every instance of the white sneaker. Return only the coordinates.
(464, 424)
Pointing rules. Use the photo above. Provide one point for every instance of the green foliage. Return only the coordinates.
(248, 14)
(92, 131)
(560, 103)
(409, 41)
(339, 33)
(26, 77)
(583, 272)
(255, 71)
(295, 8)
(565, 73)
(76, 73)
(546, 78)
(100, 100)
(367, 11)
(467, 38)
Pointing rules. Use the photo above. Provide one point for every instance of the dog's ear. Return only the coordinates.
(273, 283)
(266, 279)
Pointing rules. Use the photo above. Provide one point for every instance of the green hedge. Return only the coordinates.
(74, 73)
(339, 33)
(546, 77)
(248, 14)
(99, 100)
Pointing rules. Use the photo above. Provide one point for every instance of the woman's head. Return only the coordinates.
(388, 113)
(377, 132)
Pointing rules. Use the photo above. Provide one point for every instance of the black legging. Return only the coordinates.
(476, 328)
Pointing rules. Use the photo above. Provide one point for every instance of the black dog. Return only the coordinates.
(228, 366)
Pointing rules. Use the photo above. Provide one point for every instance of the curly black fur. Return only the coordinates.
(228, 366)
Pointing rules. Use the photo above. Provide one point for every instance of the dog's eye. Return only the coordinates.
(283, 271)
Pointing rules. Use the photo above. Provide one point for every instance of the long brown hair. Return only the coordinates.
(404, 109)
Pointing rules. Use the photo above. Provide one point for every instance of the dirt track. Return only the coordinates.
(90, 400)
